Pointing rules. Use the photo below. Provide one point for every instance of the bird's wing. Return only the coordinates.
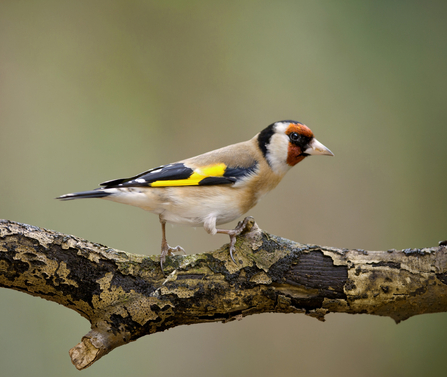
(185, 174)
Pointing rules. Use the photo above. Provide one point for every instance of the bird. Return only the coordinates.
(216, 187)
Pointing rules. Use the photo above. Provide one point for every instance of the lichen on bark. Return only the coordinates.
(125, 296)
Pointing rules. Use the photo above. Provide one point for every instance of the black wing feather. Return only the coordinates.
(179, 171)
(162, 173)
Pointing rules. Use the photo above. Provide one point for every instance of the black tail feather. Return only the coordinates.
(98, 193)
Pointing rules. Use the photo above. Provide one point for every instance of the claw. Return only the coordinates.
(231, 255)
(168, 250)
(232, 243)
(165, 248)
(233, 233)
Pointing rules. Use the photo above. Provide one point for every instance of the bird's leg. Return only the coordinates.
(165, 248)
(233, 233)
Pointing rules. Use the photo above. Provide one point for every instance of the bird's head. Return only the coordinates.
(287, 142)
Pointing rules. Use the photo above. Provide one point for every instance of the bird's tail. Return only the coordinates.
(97, 193)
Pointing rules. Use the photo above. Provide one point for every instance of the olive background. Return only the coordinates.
(96, 90)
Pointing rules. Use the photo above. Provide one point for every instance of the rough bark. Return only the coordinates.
(126, 296)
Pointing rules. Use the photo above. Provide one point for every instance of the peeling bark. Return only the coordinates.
(126, 296)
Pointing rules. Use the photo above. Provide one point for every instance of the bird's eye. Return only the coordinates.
(294, 137)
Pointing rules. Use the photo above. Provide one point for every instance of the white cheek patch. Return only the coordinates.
(281, 127)
(277, 151)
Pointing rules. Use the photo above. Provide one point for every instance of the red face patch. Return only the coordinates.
(300, 129)
(294, 152)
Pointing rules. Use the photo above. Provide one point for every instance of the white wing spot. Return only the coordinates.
(140, 180)
(155, 171)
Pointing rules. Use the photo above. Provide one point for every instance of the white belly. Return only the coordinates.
(183, 205)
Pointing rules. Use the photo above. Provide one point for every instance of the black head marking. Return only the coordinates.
(264, 138)
(300, 140)
(266, 134)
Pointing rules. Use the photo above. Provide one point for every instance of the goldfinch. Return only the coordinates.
(216, 187)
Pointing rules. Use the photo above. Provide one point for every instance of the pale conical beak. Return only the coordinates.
(315, 147)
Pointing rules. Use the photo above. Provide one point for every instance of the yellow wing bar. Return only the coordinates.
(199, 174)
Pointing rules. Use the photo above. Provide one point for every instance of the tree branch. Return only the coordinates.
(126, 296)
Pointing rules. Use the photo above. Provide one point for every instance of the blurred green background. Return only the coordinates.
(95, 90)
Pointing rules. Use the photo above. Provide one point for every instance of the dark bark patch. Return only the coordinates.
(387, 264)
(419, 291)
(315, 270)
(308, 304)
(442, 277)
(190, 276)
(350, 286)
(15, 267)
(131, 283)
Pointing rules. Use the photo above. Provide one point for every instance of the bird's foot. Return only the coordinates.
(168, 250)
(241, 226)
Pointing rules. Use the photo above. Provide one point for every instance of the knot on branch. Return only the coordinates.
(94, 345)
